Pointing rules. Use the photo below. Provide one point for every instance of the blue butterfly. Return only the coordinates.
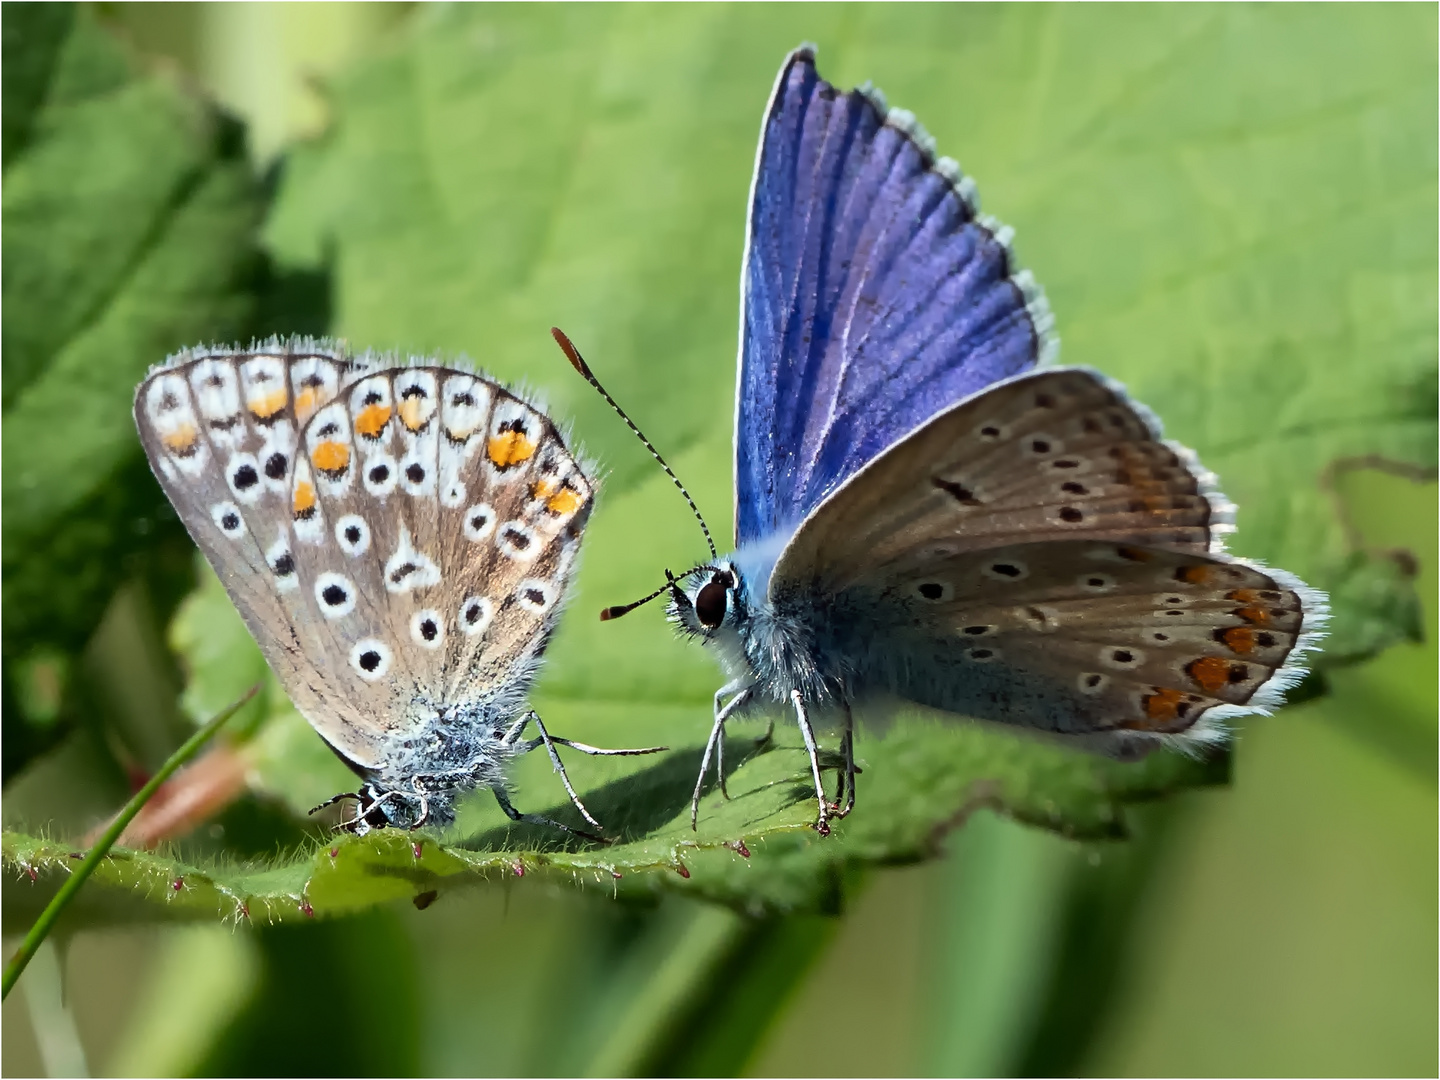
(925, 512)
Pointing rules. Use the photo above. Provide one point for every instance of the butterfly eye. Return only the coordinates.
(710, 603)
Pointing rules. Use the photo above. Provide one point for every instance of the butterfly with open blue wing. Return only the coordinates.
(925, 511)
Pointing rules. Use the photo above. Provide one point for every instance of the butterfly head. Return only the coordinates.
(373, 812)
(709, 602)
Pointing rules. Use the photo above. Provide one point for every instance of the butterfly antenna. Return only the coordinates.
(578, 363)
(624, 609)
(670, 583)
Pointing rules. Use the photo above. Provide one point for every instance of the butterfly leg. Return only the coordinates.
(717, 733)
(540, 819)
(822, 826)
(846, 788)
(424, 797)
(600, 751)
(549, 745)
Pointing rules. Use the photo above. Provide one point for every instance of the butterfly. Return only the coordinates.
(399, 539)
(924, 510)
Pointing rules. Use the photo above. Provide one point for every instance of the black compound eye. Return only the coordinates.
(376, 818)
(710, 603)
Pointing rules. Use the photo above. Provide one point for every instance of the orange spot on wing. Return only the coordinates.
(306, 402)
(304, 502)
(264, 406)
(1194, 575)
(330, 456)
(563, 502)
(1245, 596)
(510, 448)
(1240, 639)
(1134, 554)
(182, 440)
(542, 488)
(411, 413)
(372, 420)
(1209, 672)
(1162, 704)
(1253, 613)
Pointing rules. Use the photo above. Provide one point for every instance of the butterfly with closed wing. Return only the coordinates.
(398, 537)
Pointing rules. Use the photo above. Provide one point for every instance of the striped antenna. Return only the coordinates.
(578, 363)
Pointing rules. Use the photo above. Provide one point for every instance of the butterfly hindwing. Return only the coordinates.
(221, 430)
(1043, 557)
(1088, 637)
(863, 249)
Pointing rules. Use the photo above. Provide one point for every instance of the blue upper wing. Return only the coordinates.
(873, 295)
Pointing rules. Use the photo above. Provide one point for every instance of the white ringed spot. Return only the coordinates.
(479, 522)
(517, 541)
(353, 535)
(1038, 444)
(282, 563)
(452, 496)
(1091, 682)
(335, 594)
(226, 516)
(370, 658)
(427, 629)
(475, 614)
(534, 595)
(1121, 657)
(242, 473)
(934, 592)
(417, 476)
(1005, 570)
(381, 475)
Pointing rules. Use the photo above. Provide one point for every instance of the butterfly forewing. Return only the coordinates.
(1055, 455)
(456, 521)
(862, 247)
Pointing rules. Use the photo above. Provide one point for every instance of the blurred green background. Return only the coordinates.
(1232, 208)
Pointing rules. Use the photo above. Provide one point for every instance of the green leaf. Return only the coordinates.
(1231, 208)
(129, 215)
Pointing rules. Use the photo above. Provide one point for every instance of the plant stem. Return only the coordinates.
(102, 847)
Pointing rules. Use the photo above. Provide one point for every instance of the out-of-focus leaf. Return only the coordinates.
(30, 38)
(129, 215)
(1232, 210)
(1378, 598)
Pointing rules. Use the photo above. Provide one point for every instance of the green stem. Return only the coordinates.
(52, 911)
